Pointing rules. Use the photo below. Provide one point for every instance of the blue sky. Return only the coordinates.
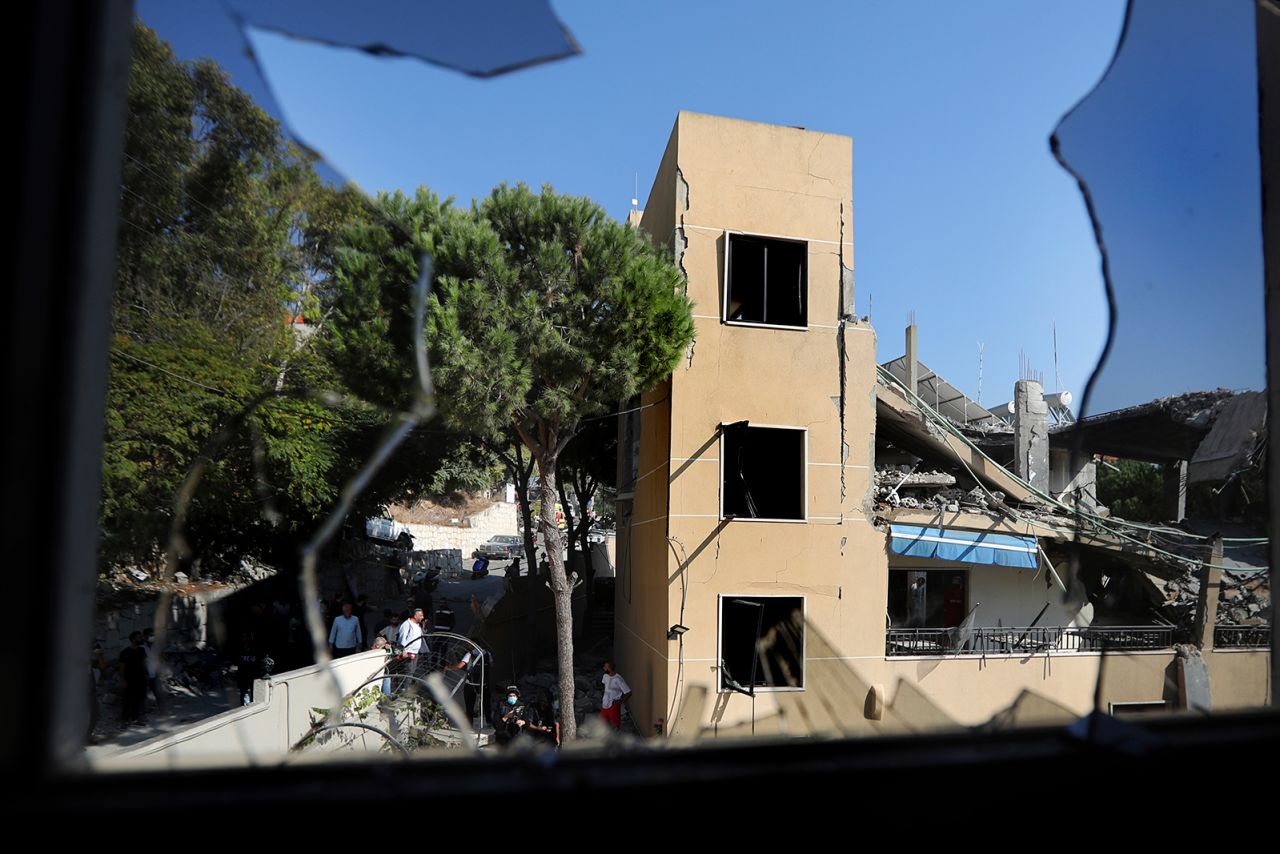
(961, 213)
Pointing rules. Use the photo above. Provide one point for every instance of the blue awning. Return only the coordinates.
(964, 546)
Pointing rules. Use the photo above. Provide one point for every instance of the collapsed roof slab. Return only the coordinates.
(904, 424)
(1170, 428)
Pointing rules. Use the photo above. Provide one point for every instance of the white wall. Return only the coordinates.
(259, 733)
(1008, 597)
(1015, 596)
(498, 518)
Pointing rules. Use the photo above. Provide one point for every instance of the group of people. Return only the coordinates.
(540, 720)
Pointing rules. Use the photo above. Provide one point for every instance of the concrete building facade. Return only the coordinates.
(782, 411)
(747, 518)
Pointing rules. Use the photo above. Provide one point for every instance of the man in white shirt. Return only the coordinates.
(410, 638)
(345, 636)
(410, 642)
(616, 692)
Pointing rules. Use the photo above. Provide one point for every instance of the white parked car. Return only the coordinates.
(388, 531)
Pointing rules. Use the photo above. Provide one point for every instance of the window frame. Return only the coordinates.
(724, 283)
(804, 642)
(804, 475)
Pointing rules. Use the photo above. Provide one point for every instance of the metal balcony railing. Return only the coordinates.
(1241, 637)
(1014, 640)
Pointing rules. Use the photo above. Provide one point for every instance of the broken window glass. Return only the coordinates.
(483, 39)
(751, 653)
(224, 422)
(763, 469)
(1166, 151)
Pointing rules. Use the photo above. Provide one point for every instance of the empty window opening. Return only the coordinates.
(761, 642)
(928, 599)
(763, 471)
(767, 281)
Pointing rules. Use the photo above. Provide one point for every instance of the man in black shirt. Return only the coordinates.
(133, 671)
(513, 716)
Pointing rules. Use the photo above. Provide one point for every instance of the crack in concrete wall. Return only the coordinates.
(680, 243)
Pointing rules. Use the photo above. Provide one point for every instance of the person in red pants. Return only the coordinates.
(616, 692)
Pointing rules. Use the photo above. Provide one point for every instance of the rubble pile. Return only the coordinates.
(1243, 600)
(1197, 408)
(901, 486)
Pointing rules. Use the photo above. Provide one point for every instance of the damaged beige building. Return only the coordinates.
(763, 585)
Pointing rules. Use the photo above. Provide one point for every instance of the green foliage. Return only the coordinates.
(1134, 492)
(407, 712)
(545, 311)
(225, 233)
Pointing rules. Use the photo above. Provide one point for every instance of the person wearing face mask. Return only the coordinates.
(513, 718)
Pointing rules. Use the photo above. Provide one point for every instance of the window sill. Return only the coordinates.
(803, 521)
(763, 690)
(750, 324)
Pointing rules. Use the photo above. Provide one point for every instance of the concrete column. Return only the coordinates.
(913, 362)
(1175, 490)
(1207, 601)
(1073, 476)
(1031, 434)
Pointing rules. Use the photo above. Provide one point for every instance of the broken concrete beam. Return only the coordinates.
(932, 478)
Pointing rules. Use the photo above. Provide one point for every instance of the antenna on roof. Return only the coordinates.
(635, 200)
(981, 347)
(1026, 372)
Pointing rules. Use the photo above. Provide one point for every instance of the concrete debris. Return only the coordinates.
(901, 486)
(1197, 408)
(1244, 600)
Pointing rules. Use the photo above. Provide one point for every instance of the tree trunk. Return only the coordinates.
(526, 513)
(570, 530)
(562, 594)
(522, 472)
(585, 489)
